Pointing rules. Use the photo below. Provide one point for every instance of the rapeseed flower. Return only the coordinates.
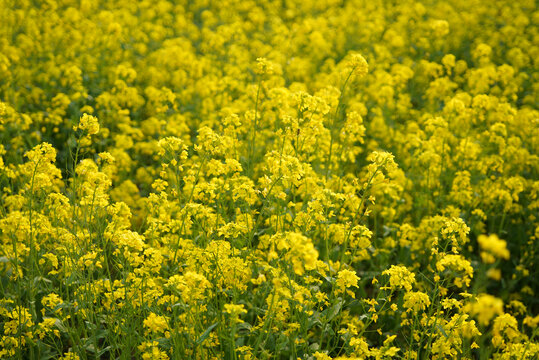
(492, 247)
(156, 323)
(268, 179)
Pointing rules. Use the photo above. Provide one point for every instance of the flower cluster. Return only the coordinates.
(315, 179)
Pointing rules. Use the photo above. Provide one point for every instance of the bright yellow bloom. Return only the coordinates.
(493, 248)
(358, 64)
(416, 301)
(156, 323)
(346, 279)
(400, 277)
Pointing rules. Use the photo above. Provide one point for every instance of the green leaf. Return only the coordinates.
(103, 351)
(60, 325)
(206, 333)
(333, 311)
(38, 279)
(442, 330)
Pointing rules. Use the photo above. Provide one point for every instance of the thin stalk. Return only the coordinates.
(253, 132)
(334, 121)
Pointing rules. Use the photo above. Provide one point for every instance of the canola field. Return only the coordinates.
(295, 179)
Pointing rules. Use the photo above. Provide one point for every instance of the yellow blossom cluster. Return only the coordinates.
(262, 179)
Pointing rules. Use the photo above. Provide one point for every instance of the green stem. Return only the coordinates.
(334, 121)
(253, 132)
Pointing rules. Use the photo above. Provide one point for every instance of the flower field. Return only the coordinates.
(241, 179)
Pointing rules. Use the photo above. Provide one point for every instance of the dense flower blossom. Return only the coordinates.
(269, 179)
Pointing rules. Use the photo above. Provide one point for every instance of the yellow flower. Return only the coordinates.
(346, 279)
(234, 311)
(264, 67)
(357, 64)
(400, 277)
(321, 356)
(88, 124)
(151, 351)
(505, 328)
(440, 28)
(50, 302)
(191, 285)
(416, 301)
(69, 356)
(156, 323)
(493, 248)
(458, 264)
(485, 308)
